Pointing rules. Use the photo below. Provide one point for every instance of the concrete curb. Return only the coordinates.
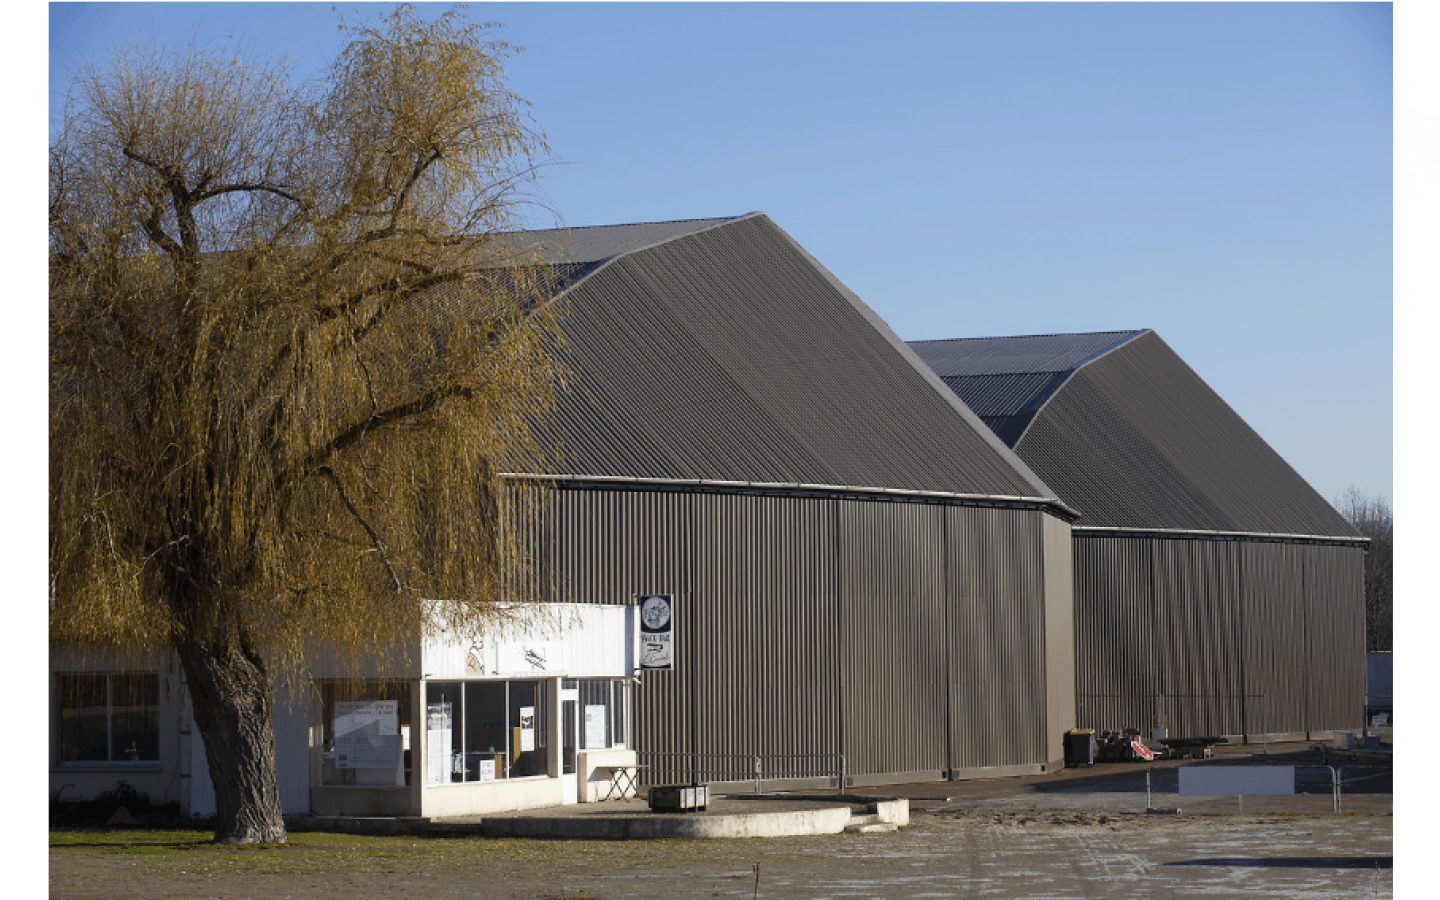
(741, 825)
(376, 825)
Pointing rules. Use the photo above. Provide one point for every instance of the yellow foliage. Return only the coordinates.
(291, 347)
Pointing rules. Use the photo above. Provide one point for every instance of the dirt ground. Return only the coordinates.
(1078, 834)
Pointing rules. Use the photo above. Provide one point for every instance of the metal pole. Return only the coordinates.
(1265, 723)
(694, 706)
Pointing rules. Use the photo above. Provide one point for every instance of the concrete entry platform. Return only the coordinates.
(747, 816)
(1107, 790)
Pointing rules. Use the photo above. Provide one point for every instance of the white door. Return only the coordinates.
(569, 745)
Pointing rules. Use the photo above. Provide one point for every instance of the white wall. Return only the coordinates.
(490, 797)
(580, 640)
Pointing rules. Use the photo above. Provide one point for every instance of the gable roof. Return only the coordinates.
(722, 351)
(597, 243)
(1129, 435)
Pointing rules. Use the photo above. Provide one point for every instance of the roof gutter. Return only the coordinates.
(1098, 531)
(798, 487)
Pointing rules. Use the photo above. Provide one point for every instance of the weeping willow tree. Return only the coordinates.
(290, 352)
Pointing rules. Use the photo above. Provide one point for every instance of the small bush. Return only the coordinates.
(96, 812)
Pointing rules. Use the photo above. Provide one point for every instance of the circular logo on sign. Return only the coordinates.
(655, 612)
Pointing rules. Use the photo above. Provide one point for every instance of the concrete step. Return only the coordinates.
(870, 827)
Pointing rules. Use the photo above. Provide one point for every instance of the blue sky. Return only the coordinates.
(1221, 173)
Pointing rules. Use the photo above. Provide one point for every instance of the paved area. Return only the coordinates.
(1104, 789)
(1121, 788)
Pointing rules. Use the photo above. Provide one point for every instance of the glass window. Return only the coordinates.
(604, 713)
(365, 734)
(485, 757)
(528, 720)
(109, 717)
(484, 731)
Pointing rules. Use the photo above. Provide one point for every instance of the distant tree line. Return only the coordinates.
(1372, 517)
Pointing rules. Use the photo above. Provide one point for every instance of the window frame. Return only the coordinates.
(150, 707)
(461, 731)
(329, 692)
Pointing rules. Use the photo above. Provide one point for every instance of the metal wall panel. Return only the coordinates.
(997, 635)
(1217, 636)
(1194, 605)
(892, 626)
(1334, 577)
(1060, 658)
(1115, 646)
(1274, 653)
(909, 637)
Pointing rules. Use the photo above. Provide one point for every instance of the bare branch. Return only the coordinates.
(353, 434)
(256, 188)
(329, 474)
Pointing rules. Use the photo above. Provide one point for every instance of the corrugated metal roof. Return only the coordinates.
(727, 353)
(601, 242)
(1007, 403)
(1017, 355)
(1130, 436)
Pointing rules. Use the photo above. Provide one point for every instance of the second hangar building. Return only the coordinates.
(1216, 593)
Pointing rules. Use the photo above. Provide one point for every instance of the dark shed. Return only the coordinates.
(1215, 591)
(867, 577)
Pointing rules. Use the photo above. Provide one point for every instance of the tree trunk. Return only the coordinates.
(233, 706)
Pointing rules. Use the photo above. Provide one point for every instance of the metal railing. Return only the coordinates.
(1337, 779)
(707, 767)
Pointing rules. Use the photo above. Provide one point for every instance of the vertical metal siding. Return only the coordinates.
(997, 638)
(892, 615)
(1336, 645)
(1060, 658)
(909, 637)
(1116, 661)
(1186, 632)
(1274, 644)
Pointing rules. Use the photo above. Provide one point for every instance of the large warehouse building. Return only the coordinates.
(863, 581)
(870, 575)
(1216, 593)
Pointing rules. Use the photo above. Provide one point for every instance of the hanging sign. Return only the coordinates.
(657, 632)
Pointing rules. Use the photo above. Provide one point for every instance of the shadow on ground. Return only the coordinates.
(1294, 862)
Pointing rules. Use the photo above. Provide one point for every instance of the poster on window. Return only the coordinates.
(596, 737)
(657, 632)
(367, 734)
(527, 729)
(437, 743)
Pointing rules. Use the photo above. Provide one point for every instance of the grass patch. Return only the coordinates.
(184, 841)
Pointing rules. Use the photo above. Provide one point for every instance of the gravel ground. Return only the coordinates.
(1081, 833)
(943, 854)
